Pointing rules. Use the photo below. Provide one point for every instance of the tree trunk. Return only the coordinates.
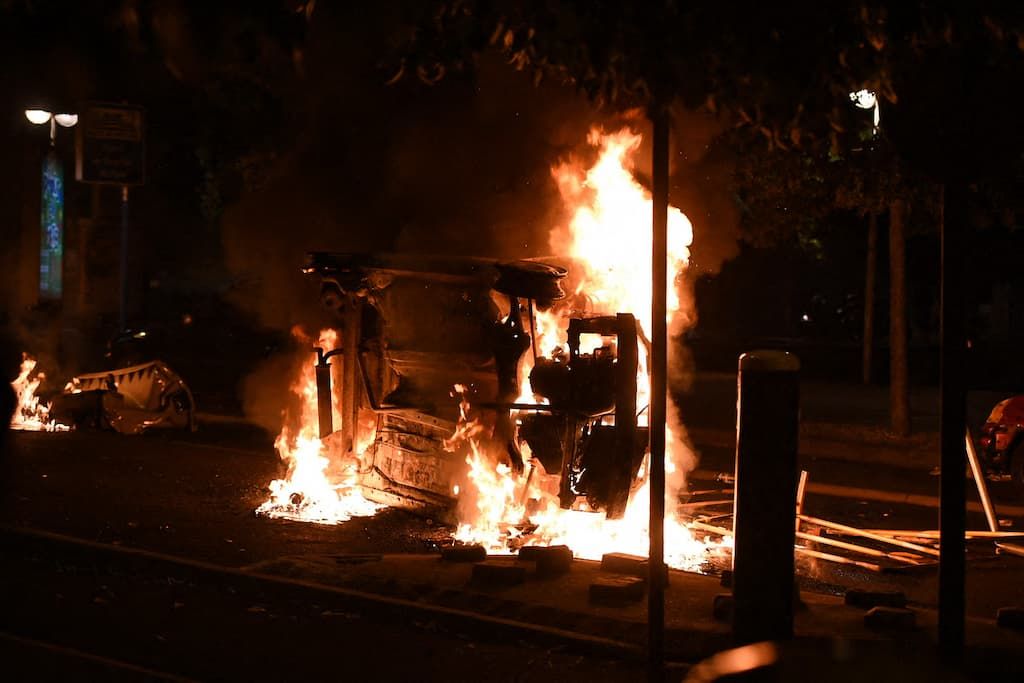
(869, 299)
(899, 390)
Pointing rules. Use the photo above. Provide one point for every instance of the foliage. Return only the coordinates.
(773, 67)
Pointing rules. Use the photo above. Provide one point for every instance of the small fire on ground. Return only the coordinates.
(317, 487)
(32, 414)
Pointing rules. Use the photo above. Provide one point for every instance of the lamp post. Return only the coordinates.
(51, 247)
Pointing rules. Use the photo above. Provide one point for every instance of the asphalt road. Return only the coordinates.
(74, 619)
(193, 495)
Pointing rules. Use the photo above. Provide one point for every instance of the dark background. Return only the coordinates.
(268, 135)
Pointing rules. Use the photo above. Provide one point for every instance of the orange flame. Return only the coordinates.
(608, 239)
(31, 414)
(319, 487)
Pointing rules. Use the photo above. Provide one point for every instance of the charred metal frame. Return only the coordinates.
(350, 281)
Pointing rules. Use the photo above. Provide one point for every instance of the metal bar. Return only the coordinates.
(1011, 548)
(499, 405)
(350, 375)
(626, 365)
(979, 481)
(953, 382)
(837, 558)
(854, 531)
(801, 488)
(324, 398)
(854, 548)
(868, 343)
(703, 526)
(122, 319)
(934, 534)
(659, 386)
(706, 503)
(533, 331)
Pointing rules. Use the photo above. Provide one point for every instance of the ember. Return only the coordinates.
(32, 414)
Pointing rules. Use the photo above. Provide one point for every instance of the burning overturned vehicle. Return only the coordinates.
(480, 335)
(127, 400)
(507, 396)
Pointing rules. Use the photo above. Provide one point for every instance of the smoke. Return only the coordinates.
(459, 168)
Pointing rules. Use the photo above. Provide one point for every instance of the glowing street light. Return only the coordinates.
(37, 116)
(40, 117)
(866, 99)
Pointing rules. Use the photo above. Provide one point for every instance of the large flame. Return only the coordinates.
(608, 239)
(32, 414)
(318, 487)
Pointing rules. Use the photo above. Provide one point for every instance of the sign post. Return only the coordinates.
(110, 150)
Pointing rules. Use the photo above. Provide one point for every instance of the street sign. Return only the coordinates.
(109, 145)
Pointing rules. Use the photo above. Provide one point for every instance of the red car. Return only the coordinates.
(1002, 440)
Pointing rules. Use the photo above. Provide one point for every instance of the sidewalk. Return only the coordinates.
(831, 641)
(824, 625)
(839, 421)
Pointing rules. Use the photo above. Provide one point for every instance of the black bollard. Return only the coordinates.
(767, 430)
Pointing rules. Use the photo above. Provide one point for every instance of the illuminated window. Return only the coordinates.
(51, 242)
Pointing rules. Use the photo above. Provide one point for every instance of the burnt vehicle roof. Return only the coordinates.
(356, 271)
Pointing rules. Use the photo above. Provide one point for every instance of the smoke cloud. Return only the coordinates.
(462, 168)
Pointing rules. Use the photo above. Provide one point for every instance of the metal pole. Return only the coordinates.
(952, 510)
(868, 342)
(659, 370)
(350, 376)
(979, 480)
(767, 429)
(123, 316)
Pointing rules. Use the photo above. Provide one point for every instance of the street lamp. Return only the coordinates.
(41, 116)
(51, 219)
(866, 99)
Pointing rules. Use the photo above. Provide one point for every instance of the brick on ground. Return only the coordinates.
(890, 619)
(1010, 617)
(632, 565)
(722, 607)
(464, 553)
(617, 590)
(859, 597)
(550, 561)
(497, 574)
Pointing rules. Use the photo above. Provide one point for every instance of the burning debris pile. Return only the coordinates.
(548, 443)
(31, 413)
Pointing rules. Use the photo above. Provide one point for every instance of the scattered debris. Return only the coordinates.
(622, 563)
(496, 573)
(356, 558)
(464, 553)
(890, 619)
(854, 531)
(550, 560)
(1011, 548)
(859, 597)
(1010, 617)
(722, 607)
(617, 591)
